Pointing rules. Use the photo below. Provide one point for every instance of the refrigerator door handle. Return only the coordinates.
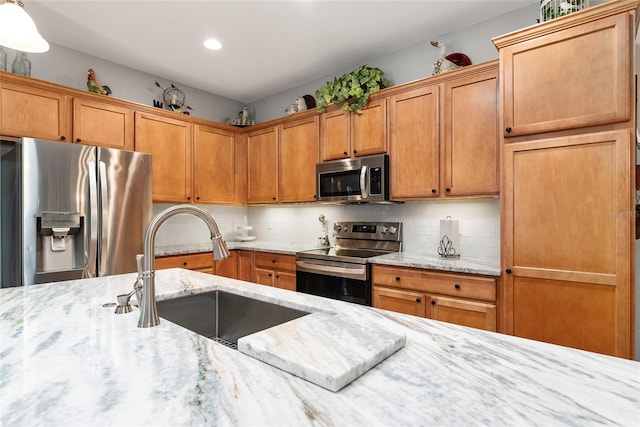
(93, 223)
(104, 238)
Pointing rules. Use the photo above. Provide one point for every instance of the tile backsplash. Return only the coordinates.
(479, 223)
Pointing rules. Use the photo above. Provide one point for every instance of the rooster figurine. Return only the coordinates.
(95, 87)
(442, 64)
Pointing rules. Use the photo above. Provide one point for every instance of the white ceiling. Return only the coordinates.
(268, 46)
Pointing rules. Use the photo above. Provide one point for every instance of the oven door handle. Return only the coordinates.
(360, 272)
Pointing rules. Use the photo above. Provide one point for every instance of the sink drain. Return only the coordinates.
(224, 342)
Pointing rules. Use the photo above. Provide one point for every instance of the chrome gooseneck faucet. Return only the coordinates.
(148, 308)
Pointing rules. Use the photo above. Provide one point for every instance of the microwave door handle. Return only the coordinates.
(363, 182)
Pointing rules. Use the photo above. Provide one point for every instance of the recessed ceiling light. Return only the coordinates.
(212, 44)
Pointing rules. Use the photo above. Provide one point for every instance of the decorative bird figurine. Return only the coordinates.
(442, 64)
(95, 87)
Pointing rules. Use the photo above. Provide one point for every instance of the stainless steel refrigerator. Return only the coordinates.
(70, 211)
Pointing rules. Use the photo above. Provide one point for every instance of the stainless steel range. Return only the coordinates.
(343, 272)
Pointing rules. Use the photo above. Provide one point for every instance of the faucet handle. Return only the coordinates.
(140, 264)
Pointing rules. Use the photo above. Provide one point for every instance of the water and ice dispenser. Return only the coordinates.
(60, 243)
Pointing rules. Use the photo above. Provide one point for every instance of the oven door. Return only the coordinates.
(345, 282)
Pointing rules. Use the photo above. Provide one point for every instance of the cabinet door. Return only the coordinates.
(265, 277)
(246, 266)
(169, 141)
(464, 312)
(33, 112)
(262, 166)
(335, 135)
(103, 124)
(298, 152)
(547, 85)
(213, 160)
(414, 144)
(567, 232)
(286, 280)
(471, 135)
(228, 267)
(369, 129)
(400, 301)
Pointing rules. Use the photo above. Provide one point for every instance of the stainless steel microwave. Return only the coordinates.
(358, 180)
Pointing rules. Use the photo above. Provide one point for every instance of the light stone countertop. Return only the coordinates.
(489, 267)
(463, 264)
(254, 245)
(66, 360)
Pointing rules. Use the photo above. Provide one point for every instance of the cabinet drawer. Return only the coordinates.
(457, 285)
(407, 302)
(275, 261)
(198, 261)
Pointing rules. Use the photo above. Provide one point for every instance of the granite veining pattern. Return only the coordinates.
(67, 360)
(463, 264)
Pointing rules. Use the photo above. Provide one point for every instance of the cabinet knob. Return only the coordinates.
(508, 129)
(188, 198)
(457, 286)
(398, 278)
(508, 271)
(184, 263)
(315, 196)
(355, 151)
(345, 153)
(270, 274)
(273, 261)
(417, 299)
(277, 277)
(433, 302)
(433, 190)
(447, 189)
(78, 140)
(62, 138)
(273, 198)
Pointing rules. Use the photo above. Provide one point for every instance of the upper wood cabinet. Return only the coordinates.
(471, 135)
(262, 170)
(213, 165)
(563, 76)
(281, 162)
(35, 112)
(298, 155)
(444, 138)
(345, 134)
(414, 144)
(169, 141)
(103, 124)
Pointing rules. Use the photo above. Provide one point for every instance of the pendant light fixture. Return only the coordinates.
(17, 29)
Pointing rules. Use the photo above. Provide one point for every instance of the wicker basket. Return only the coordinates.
(550, 9)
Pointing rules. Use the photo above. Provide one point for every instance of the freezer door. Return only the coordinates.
(56, 227)
(124, 185)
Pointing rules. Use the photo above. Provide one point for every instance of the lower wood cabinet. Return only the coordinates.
(278, 270)
(461, 299)
(202, 262)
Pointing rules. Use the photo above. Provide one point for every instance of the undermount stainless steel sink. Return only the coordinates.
(225, 317)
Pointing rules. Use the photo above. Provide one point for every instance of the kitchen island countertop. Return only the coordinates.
(67, 360)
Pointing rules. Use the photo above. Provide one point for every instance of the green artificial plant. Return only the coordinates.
(351, 92)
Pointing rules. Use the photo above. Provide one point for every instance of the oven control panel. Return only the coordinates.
(368, 230)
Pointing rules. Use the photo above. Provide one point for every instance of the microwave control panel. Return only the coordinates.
(375, 180)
